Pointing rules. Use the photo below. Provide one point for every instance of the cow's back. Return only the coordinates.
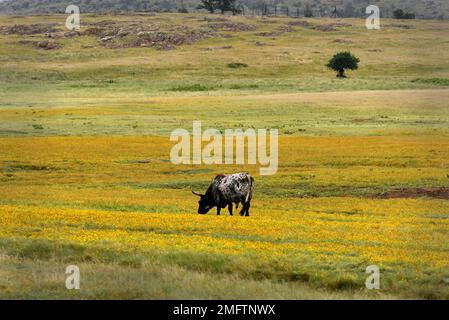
(236, 186)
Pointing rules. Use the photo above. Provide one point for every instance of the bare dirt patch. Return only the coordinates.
(437, 193)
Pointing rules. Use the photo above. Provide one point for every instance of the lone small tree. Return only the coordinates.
(342, 61)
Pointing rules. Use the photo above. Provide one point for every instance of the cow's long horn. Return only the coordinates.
(197, 193)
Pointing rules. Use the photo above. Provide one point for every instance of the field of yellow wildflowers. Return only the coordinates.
(319, 222)
(363, 179)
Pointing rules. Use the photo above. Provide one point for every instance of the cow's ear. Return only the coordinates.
(197, 193)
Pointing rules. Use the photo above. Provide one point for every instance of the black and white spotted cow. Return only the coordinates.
(226, 190)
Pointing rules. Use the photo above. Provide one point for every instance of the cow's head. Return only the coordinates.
(204, 204)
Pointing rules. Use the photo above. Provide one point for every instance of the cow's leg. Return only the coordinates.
(247, 208)
(230, 205)
(242, 200)
(218, 210)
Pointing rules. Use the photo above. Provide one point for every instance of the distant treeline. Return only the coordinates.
(426, 9)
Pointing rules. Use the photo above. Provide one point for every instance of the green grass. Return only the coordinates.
(134, 279)
(436, 81)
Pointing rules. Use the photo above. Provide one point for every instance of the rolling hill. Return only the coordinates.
(427, 9)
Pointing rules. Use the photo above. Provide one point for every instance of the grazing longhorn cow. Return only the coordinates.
(226, 190)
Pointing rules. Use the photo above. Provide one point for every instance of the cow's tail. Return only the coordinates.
(249, 195)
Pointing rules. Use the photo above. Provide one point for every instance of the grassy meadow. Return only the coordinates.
(86, 177)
